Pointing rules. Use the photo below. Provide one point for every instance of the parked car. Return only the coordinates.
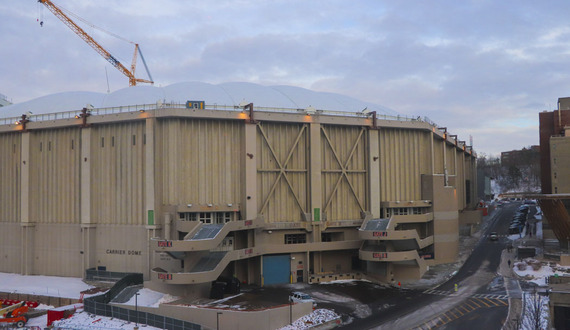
(493, 236)
(301, 297)
(515, 229)
(524, 208)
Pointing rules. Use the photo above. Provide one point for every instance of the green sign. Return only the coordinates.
(317, 214)
(150, 218)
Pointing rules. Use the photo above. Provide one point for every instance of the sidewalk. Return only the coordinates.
(513, 289)
(511, 280)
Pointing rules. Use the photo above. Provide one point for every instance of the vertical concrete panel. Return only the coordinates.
(250, 196)
(55, 159)
(57, 250)
(118, 177)
(193, 155)
(10, 169)
(405, 157)
(439, 161)
(10, 247)
(374, 178)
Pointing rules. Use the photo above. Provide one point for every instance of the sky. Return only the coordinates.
(482, 68)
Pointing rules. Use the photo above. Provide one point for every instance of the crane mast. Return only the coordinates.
(98, 48)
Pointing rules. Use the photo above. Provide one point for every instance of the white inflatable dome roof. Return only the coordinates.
(230, 94)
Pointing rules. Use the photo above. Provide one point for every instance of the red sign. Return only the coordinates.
(248, 222)
(380, 234)
(164, 276)
(380, 255)
(248, 251)
(164, 243)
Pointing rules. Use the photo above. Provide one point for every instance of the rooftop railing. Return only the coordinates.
(174, 105)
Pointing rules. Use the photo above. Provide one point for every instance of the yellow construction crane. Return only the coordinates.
(102, 51)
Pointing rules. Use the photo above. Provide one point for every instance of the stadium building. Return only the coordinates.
(192, 181)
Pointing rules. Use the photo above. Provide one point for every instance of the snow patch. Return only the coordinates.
(65, 287)
(150, 298)
(318, 316)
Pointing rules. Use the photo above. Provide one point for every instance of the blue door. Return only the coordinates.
(276, 269)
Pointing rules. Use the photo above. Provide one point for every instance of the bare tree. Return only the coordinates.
(535, 311)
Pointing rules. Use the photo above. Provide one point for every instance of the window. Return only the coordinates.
(223, 217)
(326, 237)
(404, 211)
(207, 217)
(295, 238)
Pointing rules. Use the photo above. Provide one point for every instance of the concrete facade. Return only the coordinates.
(184, 195)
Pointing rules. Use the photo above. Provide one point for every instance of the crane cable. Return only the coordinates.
(40, 17)
(70, 13)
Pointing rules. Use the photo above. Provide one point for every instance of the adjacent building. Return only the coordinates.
(287, 185)
(554, 148)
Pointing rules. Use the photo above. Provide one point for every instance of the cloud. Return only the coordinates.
(482, 68)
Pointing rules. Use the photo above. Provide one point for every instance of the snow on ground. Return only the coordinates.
(65, 287)
(150, 298)
(360, 310)
(525, 269)
(344, 281)
(84, 320)
(69, 287)
(318, 316)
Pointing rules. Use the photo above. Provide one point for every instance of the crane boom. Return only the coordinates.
(98, 48)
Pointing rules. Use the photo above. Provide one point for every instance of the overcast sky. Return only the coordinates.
(482, 68)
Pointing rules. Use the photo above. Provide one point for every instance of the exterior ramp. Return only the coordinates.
(204, 237)
(383, 230)
(207, 231)
(209, 262)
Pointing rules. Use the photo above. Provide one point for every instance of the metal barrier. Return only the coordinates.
(99, 305)
(95, 274)
(96, 307)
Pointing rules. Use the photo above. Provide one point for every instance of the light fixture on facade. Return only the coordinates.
(230, 204)
(210, 205)
(189, 205)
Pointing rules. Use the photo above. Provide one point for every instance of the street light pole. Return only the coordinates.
(290, 311)
(136, 310)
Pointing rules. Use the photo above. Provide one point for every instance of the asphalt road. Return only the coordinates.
(476, 305)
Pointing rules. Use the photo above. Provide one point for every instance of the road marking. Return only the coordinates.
(478, 295)
(475, 303)
(456, 312)
(481, 301)
(464, 306)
